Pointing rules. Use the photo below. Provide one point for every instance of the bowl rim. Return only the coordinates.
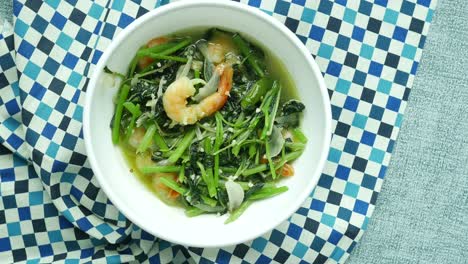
(278, 26)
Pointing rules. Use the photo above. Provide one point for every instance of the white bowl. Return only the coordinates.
(133, 199)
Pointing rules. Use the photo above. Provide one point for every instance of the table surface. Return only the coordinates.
(421, 215)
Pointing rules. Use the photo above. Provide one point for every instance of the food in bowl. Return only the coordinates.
(208, 121)
(125, 190)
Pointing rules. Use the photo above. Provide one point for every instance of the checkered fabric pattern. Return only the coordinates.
(51, 206)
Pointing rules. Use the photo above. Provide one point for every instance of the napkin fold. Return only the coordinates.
(51, 205)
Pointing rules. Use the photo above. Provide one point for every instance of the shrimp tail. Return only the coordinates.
(216, 101)
(225, 83)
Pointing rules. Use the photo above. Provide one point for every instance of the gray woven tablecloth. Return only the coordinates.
(422, 212)
(6, 9)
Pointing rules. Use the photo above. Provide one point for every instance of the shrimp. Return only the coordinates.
(162, 190)
(175, 98)
(286, 171)
(136, 137)
(144, 160)
(220, 46)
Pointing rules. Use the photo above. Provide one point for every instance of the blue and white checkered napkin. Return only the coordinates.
(51, 206)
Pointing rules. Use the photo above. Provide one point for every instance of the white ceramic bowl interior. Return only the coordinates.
(133, 198)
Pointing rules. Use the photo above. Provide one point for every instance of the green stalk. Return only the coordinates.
(245, 185)
(136, 112)
(292, 156)
(173, 185)
(209, 201)
(257, 158)
(118, 113)
(218, 142)
(240, 119)
(240, 140)
(159, 140)
(209, 129)
(299, 136)
(267, 105)
(147, 139)
(166, 57)
(203, 172)
(239, 122)
(241, 168)
(257, 92)
(223, 149)
(255, 170)
(183, 145)
(193, 211)
(156, 49)
(216, 170)
(238, 212)
(177, 47)
(207, 145)
(263, 167)
(149, 72)
(169, 51)
(181, 174)
(133, 109)
(245, 50)
(268, 192)
(294, 146)
(287, 158)
(206, 178)
(228, 169)
(271, 121)
(160, 169)
(270, 161)
(236, 150)
(132, 67)
(130, 128)
(212, 186)
(252, 150)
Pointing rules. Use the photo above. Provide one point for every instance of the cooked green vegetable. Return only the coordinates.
(156, 169)
(208, 122)
(234, 215)
(156, 49)
(290, 114)
(268, 192)
(118, 113)
(249, 53)
(164, 52)
(173, 185)
(184, 144)
(256, 92)
(147, 139)
(160, 142)
(136, 112)
(299, 136)
(193, 211)
(166, 57)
